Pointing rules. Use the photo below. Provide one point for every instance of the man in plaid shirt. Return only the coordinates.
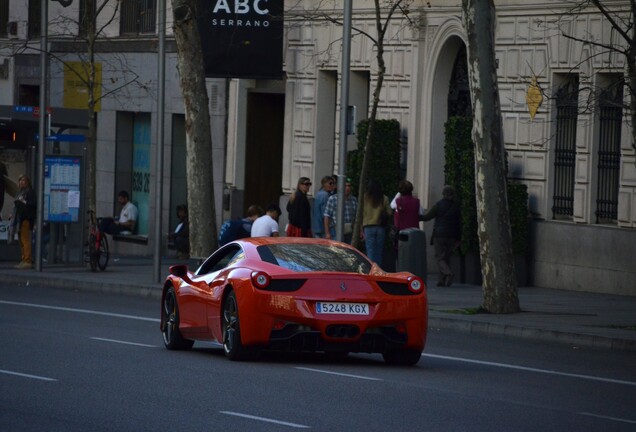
(350, 208)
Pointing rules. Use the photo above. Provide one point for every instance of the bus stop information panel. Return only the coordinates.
(62, 189)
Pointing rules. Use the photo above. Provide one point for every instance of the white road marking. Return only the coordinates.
(265, 419)
(618, 419)
(530, 369)
(339, 374)
(23, 375)
(124, 342)
(84, 311)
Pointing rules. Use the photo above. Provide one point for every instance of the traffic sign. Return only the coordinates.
(23, 108)
(64, 137)
(67, 138)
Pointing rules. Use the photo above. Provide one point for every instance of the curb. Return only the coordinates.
(131, 289)
(534, 334)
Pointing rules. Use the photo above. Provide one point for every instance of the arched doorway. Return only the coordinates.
(450, 95)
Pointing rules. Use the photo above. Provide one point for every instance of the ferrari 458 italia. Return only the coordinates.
(295, 294)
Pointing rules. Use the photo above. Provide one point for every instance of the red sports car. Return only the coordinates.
(295, 294)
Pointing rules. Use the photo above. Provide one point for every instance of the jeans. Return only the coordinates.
(374, 236)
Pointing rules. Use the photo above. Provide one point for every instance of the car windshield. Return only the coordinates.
(314, 257)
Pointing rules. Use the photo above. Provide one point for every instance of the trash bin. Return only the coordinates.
(412, 252)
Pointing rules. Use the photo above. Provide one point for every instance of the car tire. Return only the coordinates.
(408, 357)
(232, 345)
(172, 338)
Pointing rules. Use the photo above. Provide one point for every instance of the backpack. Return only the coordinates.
(232, 230)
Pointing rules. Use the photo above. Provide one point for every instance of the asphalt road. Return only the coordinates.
(77, 361)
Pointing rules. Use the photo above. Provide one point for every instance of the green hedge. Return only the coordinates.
(459, 172)
(384, 162)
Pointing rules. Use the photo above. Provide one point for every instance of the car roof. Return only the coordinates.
(259, 241)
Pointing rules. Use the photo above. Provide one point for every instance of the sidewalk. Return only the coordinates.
(574, 318)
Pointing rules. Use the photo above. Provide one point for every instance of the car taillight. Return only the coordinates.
(260, 279)
(415, 284)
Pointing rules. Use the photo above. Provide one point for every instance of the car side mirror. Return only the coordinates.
(180, 271)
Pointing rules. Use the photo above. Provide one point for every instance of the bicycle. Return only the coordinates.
(97, 254)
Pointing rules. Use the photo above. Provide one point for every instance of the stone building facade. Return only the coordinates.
(576, 158)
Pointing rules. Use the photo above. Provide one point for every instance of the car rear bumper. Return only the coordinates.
(292, 324)
(344, 338)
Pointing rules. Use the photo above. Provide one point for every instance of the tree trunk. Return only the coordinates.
(495, 240)
(379, 45)
(198, 135)
(91, 141)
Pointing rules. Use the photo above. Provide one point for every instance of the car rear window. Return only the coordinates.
(313, 257)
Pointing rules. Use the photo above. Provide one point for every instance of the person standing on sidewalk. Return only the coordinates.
(350, 208)
(23, 220)
(299, 210)
(320, 202)
(446, 232)
(374, 221)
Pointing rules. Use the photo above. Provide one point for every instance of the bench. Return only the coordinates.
(130, 238)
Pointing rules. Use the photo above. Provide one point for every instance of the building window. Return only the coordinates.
(138, 17)
(86, 17)
(4, 18)
(609, 152)
(35, 18)
(132, 162)
(567, 104)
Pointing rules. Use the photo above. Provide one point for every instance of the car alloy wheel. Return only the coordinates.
(234, 349)
(172, 338)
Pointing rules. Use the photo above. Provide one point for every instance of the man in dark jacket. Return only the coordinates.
(446, 233)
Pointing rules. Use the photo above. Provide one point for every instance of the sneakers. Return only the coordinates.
(24, 265)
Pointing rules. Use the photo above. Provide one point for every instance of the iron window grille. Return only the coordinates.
(609, 153)
(567, 104)
(138, 17)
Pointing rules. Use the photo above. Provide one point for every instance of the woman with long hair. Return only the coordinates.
(299, 210)
(374, 221)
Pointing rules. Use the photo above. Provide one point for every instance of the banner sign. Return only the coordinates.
(242, 38)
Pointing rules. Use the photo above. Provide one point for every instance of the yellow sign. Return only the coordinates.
(534, 97)
(76, 85)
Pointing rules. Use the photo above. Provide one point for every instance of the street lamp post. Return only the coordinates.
(161, 69)
(344, 104)
(43, 133)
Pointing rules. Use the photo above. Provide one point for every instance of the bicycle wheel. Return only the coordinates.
(93, 253)
(102, 257)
